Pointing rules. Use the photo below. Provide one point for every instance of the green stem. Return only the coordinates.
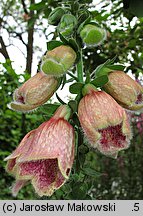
(60, 100)
(70, 74)
(80, 68)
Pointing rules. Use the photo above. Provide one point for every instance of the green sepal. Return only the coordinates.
(73, 105)
(100, 81)
(49, 109)
(76, 88)
(53, 44)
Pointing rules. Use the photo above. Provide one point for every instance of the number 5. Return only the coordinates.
(136, 207)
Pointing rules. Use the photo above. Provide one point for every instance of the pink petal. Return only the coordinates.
(10, 165)
(14, 105)
(53, 139)
(100, 109)
(17, 186)
(23, 146)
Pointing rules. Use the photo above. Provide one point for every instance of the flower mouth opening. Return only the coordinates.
(45, 168)
(20, 99)
(44, 174)
(139, 99)
(112, 137)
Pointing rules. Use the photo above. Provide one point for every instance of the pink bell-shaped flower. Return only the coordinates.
(126, 91)
(45, 155)
(104, 122)
(34, 92)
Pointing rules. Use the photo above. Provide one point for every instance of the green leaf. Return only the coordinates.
(91, 172)
(73, 44)
(75, 6)
(116, 67)
(59, 194)
(75, 177)
(37, 6)
(63, 39)
(73, 105)
(76, 88)
(49, 109)
(83, 20)
(53, 44)
(103, 69)
(84, 17)
(100, 81)
(80, 190)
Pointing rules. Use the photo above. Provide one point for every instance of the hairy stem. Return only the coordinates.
(80, 68)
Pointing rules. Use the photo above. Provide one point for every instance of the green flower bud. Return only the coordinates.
(58, 61)
(92, 35)
(55, 16)
(67, 24)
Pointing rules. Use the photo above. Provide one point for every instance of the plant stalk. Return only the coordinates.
(80, 68)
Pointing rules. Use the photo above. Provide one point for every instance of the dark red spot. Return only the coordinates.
(112, 137)
(68, 171)
(139, 99)
(21, 99)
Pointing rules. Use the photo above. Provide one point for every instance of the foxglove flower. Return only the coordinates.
(104, 122)
(45, 155)
(57, 61)
(92, 35)
(34, 92)
(126, 91)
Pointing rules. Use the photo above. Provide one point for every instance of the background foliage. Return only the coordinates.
(100, 177)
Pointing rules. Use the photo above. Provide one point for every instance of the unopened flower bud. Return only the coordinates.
(67, 24)
(92, 35)
(126, 91)
(104, 122)
(55, 16)
(57, 61)
(34, 92)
